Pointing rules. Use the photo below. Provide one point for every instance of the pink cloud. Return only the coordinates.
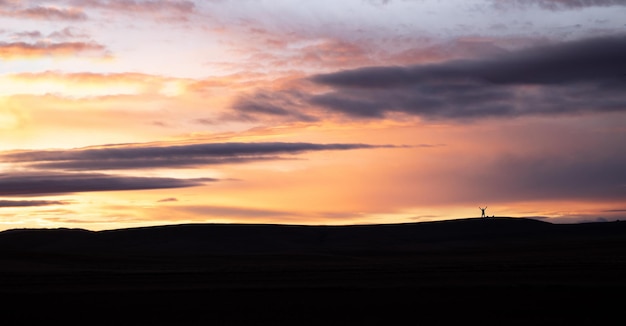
(46, 13)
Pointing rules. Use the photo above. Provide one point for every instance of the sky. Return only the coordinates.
(127, 113)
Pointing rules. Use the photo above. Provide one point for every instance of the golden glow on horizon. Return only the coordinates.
(367, 186)
(100, 211)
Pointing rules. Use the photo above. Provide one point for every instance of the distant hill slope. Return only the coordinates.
(219, 239)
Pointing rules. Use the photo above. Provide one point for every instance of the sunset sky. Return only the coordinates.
(128, 113)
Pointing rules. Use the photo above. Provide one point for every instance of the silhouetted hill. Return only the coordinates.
(202, 239)
(493, 271)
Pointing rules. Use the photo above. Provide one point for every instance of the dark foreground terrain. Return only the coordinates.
(496, 271)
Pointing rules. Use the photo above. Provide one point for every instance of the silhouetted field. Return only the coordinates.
(497, 271)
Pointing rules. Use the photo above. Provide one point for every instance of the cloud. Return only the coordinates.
(33, 184)
(145, 156)
(583, 60)
(29, 34)
(378, 2)
(67, 33)
(51, 13)
(558, 4)
(271, 104)
(46, 13)
(27, 203)
(18, 50)
(579, 76)
(326, 53)
(181, 6)
(160, 9)
(167, 200)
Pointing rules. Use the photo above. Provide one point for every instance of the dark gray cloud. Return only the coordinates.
(581, 76)
(138, 156)
(34, 184)
(27, 203)
(577, 61)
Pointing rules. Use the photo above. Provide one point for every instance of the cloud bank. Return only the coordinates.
(584, 76)
(581, 76)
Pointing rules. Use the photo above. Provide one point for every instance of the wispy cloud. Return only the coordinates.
(67, 33)
(285, 104)
(37, 184)
(159, 9)
(558, 4)
(138, 156)
(46, 13)
(27, 203)
(28, 34)
(182, 6)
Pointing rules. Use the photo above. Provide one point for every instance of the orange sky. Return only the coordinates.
(131, 113)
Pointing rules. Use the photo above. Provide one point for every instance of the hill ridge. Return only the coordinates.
(220, 238)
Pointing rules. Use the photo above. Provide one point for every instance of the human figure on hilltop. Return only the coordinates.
(482, 211)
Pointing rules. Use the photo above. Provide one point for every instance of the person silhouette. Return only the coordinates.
(482, 210)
